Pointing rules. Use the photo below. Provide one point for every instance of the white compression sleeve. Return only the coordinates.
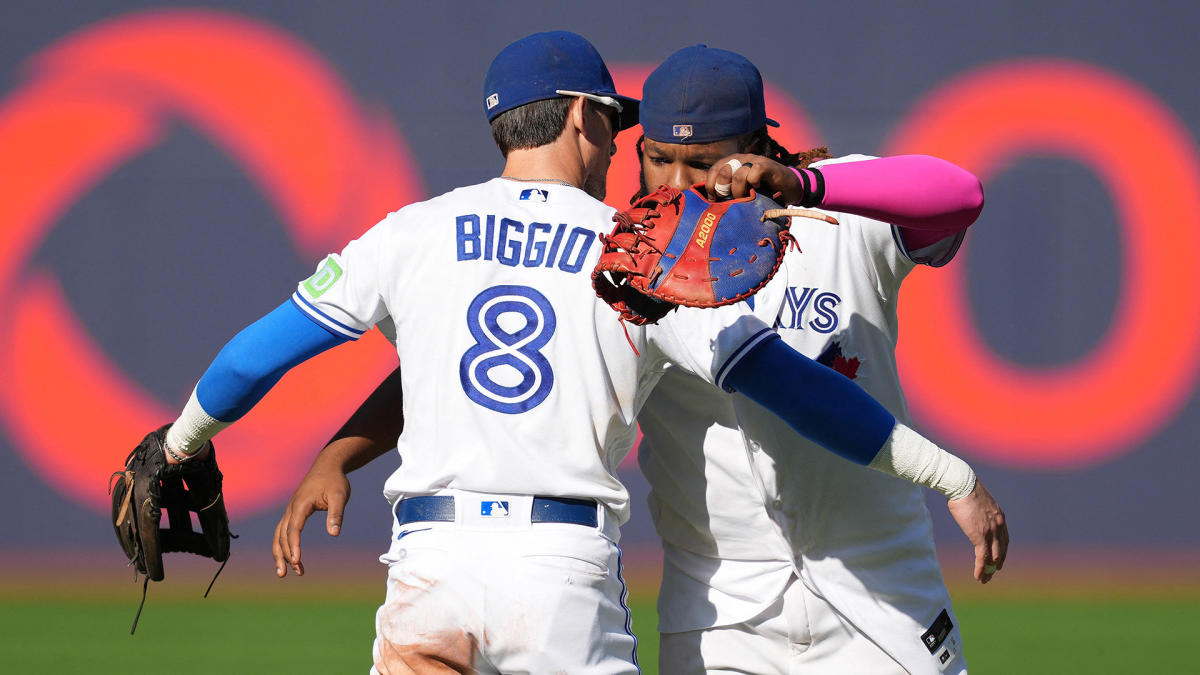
(193, 427)
(911, 456)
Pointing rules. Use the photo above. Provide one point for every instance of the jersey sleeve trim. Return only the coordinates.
(936, 254)
(756, 339)
(327, 322)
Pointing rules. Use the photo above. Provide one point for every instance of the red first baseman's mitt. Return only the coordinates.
(676, 248)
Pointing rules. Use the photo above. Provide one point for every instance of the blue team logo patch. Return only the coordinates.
(493, 509)
(535, 195)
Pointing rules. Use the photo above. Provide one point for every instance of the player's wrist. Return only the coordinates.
(812, 186)
(187, 436)
(335, 463)
(792, 190)
(177, 456)
(909, 455)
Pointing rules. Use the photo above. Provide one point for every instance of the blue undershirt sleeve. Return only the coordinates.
(829, 409)
(256, 358)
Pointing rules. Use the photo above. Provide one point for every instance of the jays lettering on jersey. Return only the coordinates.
(847, 527)
(516, 377)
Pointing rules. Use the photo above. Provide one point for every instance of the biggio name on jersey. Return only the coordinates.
(517, 244)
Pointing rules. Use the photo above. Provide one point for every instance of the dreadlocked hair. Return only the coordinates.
(642, 189)
(757, 143)
(761, 143)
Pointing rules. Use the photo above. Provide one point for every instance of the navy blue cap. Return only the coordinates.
(701, 95)
(549, 65)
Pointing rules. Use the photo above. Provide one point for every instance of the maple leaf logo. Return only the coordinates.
(833, 358)
(847, 367)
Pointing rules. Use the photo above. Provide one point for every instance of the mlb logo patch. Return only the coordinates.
(534, 195)
(681, 131)
(937, 633)
(493, 101)
(493, 509)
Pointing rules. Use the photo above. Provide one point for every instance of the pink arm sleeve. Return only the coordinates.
(926, 197)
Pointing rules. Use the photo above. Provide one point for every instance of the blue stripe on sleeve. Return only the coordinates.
(321, 317)
(820, 403)
(254, 360)
(723, 371)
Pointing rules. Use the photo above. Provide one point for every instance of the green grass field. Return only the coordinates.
(1013, 633)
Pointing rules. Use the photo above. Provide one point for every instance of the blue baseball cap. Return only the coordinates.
(549, 65)
(700, 95)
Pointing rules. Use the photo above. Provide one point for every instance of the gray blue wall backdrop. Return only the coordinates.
(167, 174)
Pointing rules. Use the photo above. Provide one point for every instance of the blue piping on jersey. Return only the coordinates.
(752, 342)
(312, 309)
(818, 402)
(254, 360)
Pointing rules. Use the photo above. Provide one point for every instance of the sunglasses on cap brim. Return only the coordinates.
(602, 100)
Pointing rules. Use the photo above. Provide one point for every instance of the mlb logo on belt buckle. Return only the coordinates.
(681, 131)
(493, 509)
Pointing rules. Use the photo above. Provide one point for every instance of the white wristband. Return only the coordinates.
(911, 456)
(191, 430)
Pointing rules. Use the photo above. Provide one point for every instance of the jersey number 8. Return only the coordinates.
(503, 370)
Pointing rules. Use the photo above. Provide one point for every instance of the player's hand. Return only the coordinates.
(982, 520)
(324, 488)
(765, 175)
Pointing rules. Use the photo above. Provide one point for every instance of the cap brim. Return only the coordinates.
(772, 123)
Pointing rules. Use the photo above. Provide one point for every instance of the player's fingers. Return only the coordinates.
(295, 526)
(983, 563)
(990, 559)
(744, 179)
(277, 551)
(337, 507)
(292, 548)
(720, 177)
(1001, 543)
(285, 547)
(717, 184)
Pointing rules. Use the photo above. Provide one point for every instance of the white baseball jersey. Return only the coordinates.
(516, 378)
(741, 501)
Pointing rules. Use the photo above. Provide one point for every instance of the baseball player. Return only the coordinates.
(739, 533)
(779, 557)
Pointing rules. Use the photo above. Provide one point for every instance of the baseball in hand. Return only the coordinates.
(722, 189)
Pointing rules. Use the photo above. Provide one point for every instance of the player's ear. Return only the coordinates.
(577, 113)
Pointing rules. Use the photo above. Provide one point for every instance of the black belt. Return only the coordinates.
(440, 508)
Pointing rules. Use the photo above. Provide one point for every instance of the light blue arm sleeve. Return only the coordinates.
(829, 409)
(256, 358)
